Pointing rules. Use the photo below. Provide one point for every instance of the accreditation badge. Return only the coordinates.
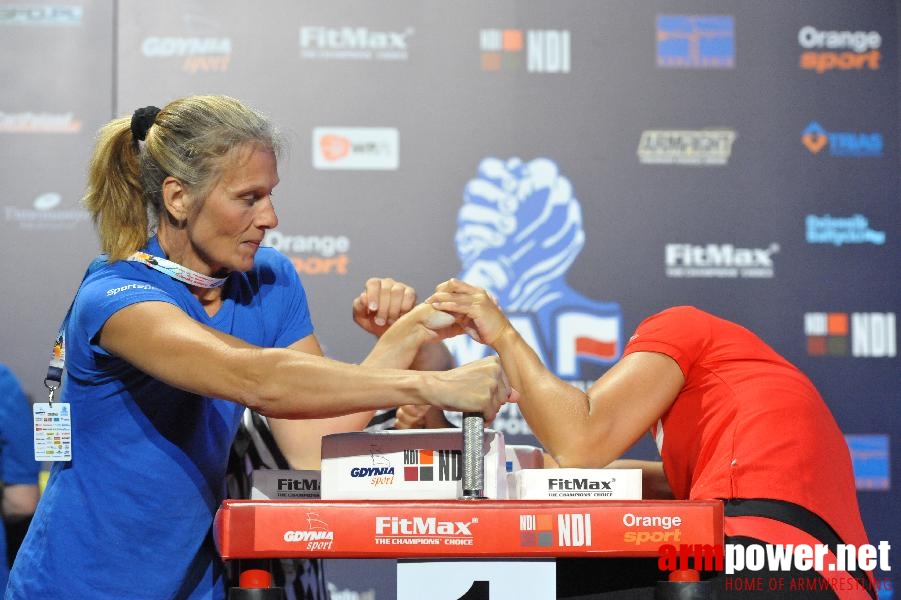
(52, 431)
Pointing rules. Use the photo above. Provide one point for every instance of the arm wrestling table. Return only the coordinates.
(456, 529)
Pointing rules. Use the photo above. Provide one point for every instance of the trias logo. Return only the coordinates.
(839, 50)
(420, 465)
(861, 335)
(850, 144)
(353, 43)
(546, 50)
(719, 261)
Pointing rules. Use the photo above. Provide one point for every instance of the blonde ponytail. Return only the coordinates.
(114, 195)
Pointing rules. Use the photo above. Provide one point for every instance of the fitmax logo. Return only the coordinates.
(422, 526)
(578, 484)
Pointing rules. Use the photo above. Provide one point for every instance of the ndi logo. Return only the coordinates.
(862, 335)
(537, 530)
(842, 143)
(546, 50)
(419, 465)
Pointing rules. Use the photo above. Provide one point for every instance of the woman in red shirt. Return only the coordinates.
(732, 419)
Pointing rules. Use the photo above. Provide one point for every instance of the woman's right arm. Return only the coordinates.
(579, 429)
(161, 340)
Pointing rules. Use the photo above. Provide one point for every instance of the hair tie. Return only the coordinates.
(141, 121)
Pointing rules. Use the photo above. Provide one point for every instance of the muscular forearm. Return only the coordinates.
(291, 385)
(556, 411)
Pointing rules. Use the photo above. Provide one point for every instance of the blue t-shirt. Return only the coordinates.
(130, 516)
(17, 463)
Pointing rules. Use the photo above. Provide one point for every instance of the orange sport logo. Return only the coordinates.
(839, 50)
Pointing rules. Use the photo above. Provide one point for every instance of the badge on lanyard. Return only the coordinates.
(52, 431)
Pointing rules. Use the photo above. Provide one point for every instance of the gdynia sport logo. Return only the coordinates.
(843, 567)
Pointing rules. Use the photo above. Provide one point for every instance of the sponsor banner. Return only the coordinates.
(444, 528)
(195, 54)
(284, 484)
(532, 50)
(47, 213)
(858, 334)
(696, 41)
(39, 122)
(870, 457)
(354, 43)
(829, 50)
(356, 148)
(41, 15)
(838, 231)
(700, 147)
(719, 261)
(320, 254)
(848, 144)
(575, 484)
(414, 464)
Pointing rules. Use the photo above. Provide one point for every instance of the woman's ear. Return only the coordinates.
(175, 199)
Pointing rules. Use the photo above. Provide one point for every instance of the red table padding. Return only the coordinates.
(247, 529)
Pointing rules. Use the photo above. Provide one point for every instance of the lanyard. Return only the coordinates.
(178, 272)
(163, 265)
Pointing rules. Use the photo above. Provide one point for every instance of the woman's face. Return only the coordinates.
(227, 228)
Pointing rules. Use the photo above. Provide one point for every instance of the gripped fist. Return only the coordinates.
(479, 386)
(476, 311)
(382, 302)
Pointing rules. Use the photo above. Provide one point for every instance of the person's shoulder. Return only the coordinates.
(109, 277)
(117, 284)
(680, 314)
(684, 310)
(8, 379)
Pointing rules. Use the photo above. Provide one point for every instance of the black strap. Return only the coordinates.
(796, 516)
